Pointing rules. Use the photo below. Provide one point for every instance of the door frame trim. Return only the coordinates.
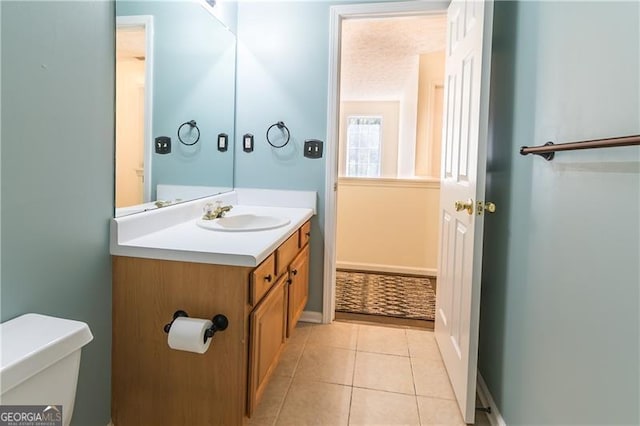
(337, 15)
(146, 22)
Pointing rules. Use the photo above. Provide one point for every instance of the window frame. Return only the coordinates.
(348, 146)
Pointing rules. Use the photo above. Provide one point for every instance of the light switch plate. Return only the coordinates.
(247, 142)
(223, 142)
(163, 145)
(313, 148)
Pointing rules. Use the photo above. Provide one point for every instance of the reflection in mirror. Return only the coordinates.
(175, 65)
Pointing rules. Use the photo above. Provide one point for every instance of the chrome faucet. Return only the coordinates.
(211, 213)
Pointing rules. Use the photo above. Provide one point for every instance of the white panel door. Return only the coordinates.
(463, 173)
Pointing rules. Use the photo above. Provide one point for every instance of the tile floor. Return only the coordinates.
(355, 374)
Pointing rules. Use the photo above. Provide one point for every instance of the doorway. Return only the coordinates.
(390, 113)
(464, 159)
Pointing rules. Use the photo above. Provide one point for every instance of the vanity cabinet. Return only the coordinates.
(268, 325)
(153, 384)
(298, 288)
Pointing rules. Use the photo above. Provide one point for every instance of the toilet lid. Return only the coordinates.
(32, 342)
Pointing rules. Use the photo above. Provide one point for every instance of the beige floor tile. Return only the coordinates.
(435, 411)
(301, 333)
(338, 334)
(383, 372)
(383, 340)
(422, 344)
(272, 399)
(372, 407)
(431, 379)
(326, 364)
(289, 359)
(315, 403)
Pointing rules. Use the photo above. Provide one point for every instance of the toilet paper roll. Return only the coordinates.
(187, 334)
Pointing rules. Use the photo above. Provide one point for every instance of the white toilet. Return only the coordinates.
(40, 360)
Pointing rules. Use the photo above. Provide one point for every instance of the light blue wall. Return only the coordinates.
(227, 13)
(282, 75)
(283, 51)
(194, 79)
(559, 320)
(57, 175)
(560, 317)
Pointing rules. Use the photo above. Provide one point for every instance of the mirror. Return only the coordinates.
(175, 102)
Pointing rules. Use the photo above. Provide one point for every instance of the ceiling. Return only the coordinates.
(380, 55)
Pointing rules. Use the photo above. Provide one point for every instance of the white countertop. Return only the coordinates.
(171, 233)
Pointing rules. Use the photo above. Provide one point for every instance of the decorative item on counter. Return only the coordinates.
(280, 125)
(188, 134)
(165, 203)
(211, 212)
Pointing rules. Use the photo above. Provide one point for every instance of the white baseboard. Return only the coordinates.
(311, 316)
(375, 267)
(495, 418)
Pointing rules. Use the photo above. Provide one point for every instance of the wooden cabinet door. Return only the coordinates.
(268, 329)
(298, 288)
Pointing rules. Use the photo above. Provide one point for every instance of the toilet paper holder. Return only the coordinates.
(220, 323)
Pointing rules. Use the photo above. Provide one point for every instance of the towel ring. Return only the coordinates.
(280, 125)
(192, 124)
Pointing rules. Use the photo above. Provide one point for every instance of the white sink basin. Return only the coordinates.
(244, 223)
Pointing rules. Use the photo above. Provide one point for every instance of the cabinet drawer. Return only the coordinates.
(305, 234)
(285, 253)
(262, 278)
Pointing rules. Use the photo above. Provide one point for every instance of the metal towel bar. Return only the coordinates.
(548, 150)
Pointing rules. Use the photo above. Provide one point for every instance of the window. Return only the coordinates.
(364, 146)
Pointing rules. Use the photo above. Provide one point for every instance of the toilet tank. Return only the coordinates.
(40, 360)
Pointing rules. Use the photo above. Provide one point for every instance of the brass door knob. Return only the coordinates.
(462, 205)
(487, 206)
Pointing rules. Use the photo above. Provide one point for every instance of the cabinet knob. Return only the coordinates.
(294, 272)
(268, 278)
(289, 281)
(308, 234)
